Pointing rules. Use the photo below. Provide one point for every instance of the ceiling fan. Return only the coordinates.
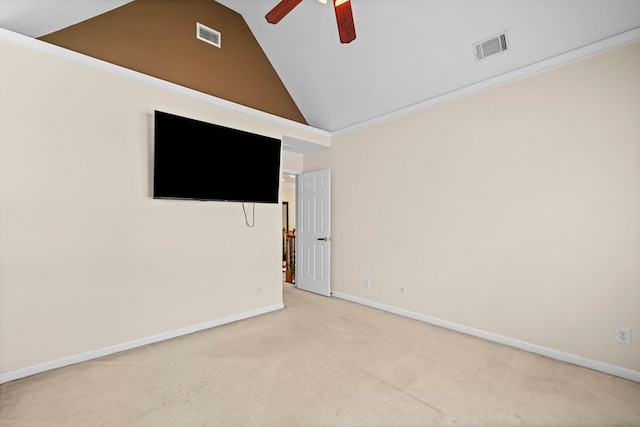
(344, 16)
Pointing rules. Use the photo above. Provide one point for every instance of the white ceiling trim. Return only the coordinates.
(574, 55)
(425, 52)
(57, 51)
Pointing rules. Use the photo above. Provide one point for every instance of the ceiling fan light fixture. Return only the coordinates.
(344, 18)
(281, 10)
(342, 8)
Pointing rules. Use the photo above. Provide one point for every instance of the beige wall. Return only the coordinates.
(88, 259)
(514, 211)
(291, 162)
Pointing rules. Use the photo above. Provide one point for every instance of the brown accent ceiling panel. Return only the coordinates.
(158, 38)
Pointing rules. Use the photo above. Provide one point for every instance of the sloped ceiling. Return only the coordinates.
(409, 51)
(406, 51)
(137, 36)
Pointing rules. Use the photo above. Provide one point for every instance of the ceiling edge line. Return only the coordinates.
(556, 61)
(79, 58)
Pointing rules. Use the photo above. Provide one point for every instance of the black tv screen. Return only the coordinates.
(203, 161)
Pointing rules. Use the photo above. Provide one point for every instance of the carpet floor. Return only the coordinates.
(322, 362)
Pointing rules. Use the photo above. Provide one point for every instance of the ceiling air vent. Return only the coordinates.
(491, 46)
(208, 35)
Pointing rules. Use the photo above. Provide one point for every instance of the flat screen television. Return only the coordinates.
(197, 160)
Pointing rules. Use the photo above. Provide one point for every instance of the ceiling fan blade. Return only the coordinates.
(344, 18)
(280, 10)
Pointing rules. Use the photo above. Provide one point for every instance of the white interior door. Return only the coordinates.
(313, 238)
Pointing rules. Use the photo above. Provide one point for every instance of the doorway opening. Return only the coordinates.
(288, 197)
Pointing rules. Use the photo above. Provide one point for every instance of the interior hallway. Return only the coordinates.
(322, 361)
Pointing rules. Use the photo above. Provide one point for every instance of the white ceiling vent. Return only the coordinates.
(208, 35)
(491, 46)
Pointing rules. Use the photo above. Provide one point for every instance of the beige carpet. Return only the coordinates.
(320, 362)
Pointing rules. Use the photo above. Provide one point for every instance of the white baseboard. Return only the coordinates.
(532, 348)
(71, 360)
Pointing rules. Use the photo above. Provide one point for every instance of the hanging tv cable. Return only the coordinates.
(246, 220)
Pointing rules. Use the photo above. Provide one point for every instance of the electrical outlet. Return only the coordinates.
(259, 289)
(623, 335)
(403, 290)
(367, 283)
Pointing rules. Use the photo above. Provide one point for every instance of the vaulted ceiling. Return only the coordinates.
(406, 51)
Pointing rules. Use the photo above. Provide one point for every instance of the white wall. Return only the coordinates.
(514, 211)
(88, 259)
